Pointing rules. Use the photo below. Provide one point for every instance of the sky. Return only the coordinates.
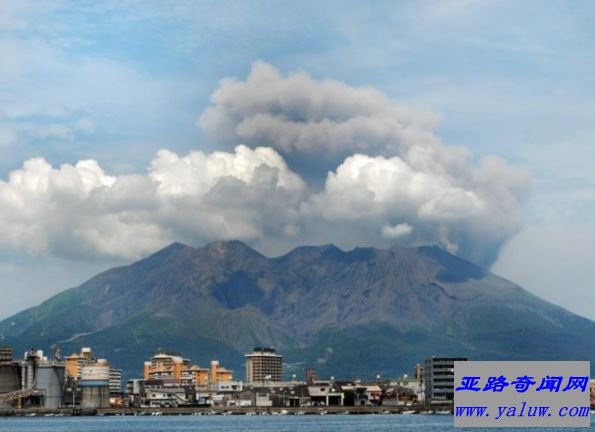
(128, 125)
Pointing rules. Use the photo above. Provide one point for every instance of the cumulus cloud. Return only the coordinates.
(471, 211)
(363, 186)
(79, 210)
(389, 178)
(198, 173)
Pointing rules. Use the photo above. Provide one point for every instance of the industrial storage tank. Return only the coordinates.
(10, 380)
(50, 380)
(95, 386)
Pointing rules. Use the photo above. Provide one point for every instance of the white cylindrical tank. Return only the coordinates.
(95, 373)
(29, 371)
(95, 386)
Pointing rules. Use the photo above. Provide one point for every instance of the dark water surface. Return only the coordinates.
(311, 423)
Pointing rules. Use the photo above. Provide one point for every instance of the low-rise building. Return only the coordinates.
(159, 394)
(174, 368)
(326, 393)
(219, 373)
(75, 362)
(164, 366)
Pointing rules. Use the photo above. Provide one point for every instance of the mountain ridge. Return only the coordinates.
(342, 312)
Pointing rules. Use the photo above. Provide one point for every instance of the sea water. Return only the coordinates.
(290, 423)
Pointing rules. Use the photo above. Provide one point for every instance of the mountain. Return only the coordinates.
(355, 313)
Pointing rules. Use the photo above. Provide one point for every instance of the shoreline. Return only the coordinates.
(198, 411)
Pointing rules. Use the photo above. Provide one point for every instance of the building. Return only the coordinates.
(35, 382)
(438, 376)
(90, 381)
(173, 368)
(229, 386)
(95, 385)
(75, 362)
(10, 378)
(201, 376)
(211, 377)
(418, 372)
(6, 354)
(115, 380)
(219, 374)
(163, 366)
(49, 380)
(406, 388)
(326, 393)
(135, 389)
(72, 366)
(262, 365)
(311, 376)
(41, 382)
(160, 396)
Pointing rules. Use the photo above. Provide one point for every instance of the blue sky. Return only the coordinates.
(118, 81)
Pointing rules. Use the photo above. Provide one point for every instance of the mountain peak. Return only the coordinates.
(175, 246)
(172, 249)
(220, 249)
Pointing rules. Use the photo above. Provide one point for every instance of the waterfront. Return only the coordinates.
(344, 423)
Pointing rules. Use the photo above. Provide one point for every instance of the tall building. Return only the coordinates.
(438, 378)
(115, 380)
(264, 365)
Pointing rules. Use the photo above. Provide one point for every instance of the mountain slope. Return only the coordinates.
(360, 312)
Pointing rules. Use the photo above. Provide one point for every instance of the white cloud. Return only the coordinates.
(396, 231)
(248, 194)
(363, 186)
(409, 185)
(81, 211)
(198, 173)
(467, 211)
